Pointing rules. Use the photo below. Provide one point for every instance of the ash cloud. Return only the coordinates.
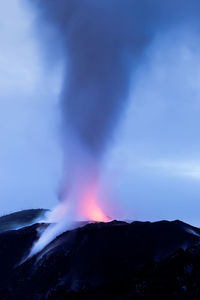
(101, 43)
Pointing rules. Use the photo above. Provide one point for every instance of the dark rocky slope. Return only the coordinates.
(21, 218)
(113, 260)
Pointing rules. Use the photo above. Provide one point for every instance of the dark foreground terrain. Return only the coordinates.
(21, 218)
(115, 260)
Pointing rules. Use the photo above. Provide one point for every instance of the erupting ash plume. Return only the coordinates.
(101, 42)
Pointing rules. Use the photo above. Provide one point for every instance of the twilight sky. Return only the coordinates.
(153, 163)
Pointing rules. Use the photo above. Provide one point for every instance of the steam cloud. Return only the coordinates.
(101, 43)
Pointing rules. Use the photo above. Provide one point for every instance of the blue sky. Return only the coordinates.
(153, 161)
(29, 152)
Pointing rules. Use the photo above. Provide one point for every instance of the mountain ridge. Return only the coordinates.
(89, 259)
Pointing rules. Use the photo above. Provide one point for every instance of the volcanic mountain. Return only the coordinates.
(115, 260)
(21, 219)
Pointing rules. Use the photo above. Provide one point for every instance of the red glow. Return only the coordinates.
(89, 207)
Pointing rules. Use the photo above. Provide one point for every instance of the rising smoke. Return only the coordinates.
(101, 43)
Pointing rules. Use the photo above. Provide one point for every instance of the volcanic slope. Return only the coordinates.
(114, 260)
(21, 219)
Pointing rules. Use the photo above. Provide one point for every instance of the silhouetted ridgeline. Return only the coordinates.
(113, 260)
(21, 218)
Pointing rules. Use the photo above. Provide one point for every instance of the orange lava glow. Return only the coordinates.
(89, 207)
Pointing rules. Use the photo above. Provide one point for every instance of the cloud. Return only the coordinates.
(175, 167)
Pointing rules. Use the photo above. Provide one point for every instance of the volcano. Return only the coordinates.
(114, 260)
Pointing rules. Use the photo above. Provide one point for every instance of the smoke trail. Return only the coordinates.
(97, 39)
(101, 43)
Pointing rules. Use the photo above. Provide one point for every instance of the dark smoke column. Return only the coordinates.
(101, 42)
(96, 40)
